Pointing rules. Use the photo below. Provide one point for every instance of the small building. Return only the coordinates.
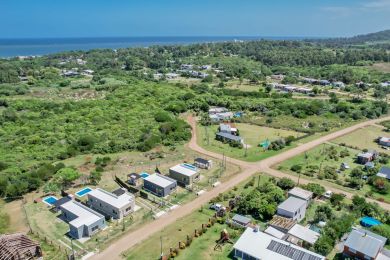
(18, 246)
(299, 235)
(116, 205)
(186, 66)
(369, 165)
(203, 163)
(134, 179)
(384, 141)
(171, 75)
(256, 245)
(228, 128)
(293, 208)
(185, 174)
(338, 84)
(281, 223)
(217, 110)
(226, 137)
(363, 244)
(301, 194)
(241, 221)
(366, 157)
(205, 67)
(160, 185)
(344, 166)
(324, 82)
(83, 221)
(384, 172)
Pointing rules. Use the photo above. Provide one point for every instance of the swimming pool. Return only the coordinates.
(50, 200)
(189, 166)
(144, 175)
(83, 192)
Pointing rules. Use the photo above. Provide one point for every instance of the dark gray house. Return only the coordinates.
(203, 163)
(83, 221)
(226, 137)
(384, 172)
(160, 185)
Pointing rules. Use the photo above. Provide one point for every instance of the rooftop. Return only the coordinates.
(201, 160)
(274, 232)
(384, 172)
(304, 233)
(292, 204)
(230, 136)
(263, 246)
(282, 222)
(160, 180)
(85, 215)
(301, 193)
(182, 169)
(241, 219)
(365, 242)
(114, 200)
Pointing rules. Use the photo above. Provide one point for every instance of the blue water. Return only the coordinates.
(144, 175)
(189, 166)
(50, 200)
(82, 192)
(27, 47)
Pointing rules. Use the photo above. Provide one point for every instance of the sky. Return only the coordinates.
(110, 18)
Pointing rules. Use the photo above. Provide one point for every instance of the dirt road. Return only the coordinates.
(248, 169)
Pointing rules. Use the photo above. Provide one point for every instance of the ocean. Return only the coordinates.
(36, 47)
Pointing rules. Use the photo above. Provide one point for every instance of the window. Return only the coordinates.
(129, 208)
(352, 250)
(95, 228)
(113, 211)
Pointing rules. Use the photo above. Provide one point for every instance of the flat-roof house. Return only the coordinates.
(116, 205)
(384, 172)
(134, 179)
(292, 208)
(363, 244)
(385, 141)
(299, 234)
(223, 116)
(83, 221)
(226, 137)
(301, 194)
(364, 158)
(257, 245)
(160, 185)
(185, 174)
(228, 128)
(203, 163)
(241, 220)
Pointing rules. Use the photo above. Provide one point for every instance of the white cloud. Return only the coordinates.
(376, 4)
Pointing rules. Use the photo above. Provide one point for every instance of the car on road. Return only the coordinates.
(217, 207)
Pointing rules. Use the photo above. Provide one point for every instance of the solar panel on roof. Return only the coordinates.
(290, 252)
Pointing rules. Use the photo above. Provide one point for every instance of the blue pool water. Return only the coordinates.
(369, 222)
(83, 192)
(144, 175)
(50, 200)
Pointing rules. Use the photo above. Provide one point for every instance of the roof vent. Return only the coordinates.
(256, 229)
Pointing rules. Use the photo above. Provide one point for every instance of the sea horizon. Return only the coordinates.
(13, 47)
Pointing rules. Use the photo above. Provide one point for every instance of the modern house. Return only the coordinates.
(301, 194)
(365, 245)
(256, 245)
(185, 174)
(160, 185)
(384, 141)
(241, 221)
(203, 163)
(83, 221)
(299, 235)
(19, 246)
(293, 208)
(134, 179)
(384, 172)
(228, 128)
(226, 137)
(116, 205)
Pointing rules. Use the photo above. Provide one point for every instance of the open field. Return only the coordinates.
(253, 135)
(364, 138)
(382, 67)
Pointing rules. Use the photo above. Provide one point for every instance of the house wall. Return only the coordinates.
(203, 165)
(183, 179)
(356, 254)
(298, 215)
(108, 209)
(384, 143)
(241, 255)
(159, 191)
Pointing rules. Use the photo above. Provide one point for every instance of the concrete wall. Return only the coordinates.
(157, 190)
(108, 209)
(183, 179)
(297, 215)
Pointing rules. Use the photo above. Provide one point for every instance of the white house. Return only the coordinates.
(293, 208)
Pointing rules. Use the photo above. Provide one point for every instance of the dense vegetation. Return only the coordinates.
(130, 110)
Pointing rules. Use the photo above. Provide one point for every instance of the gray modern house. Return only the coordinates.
(293, 208)
(301, 194)
(160, 185)
(83, 221)
(116, 205)
(184, 174)
(203, 163)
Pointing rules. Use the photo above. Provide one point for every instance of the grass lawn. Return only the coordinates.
(364, 138)
(253, 135)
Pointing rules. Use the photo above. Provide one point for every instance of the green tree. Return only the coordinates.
(66, 176)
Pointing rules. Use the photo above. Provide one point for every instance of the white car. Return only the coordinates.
(328, 194)
(217, 207)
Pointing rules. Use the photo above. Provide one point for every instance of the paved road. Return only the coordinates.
(247, 170)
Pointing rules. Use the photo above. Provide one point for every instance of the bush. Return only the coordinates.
(286, 183)
(296, 168)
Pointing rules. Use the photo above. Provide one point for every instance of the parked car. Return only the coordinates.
(217, 207)
(328, 194)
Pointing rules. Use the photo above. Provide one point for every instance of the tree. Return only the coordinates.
(51, 187)
(95, 177)
(333, 98)
(324, 245)
(336, 199)
(66, 176)
(286, 183)
(296, 168)
(316, 188)
(323, 213)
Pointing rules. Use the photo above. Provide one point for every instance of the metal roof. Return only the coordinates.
(301, 193)
(184, 170)
(85, 215)
(365, 242)
(160, 180)
(201, 160)
(263, 246)
(229, 136)
(304, 233)
(241, 219)
(384, 172)
(292, 204)
(274, 232)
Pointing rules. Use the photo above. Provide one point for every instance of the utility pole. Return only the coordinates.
(207, 135)
(161, 247)
(71, 242)
(246, 150)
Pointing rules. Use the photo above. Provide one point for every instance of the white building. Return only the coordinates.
(293, 208)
